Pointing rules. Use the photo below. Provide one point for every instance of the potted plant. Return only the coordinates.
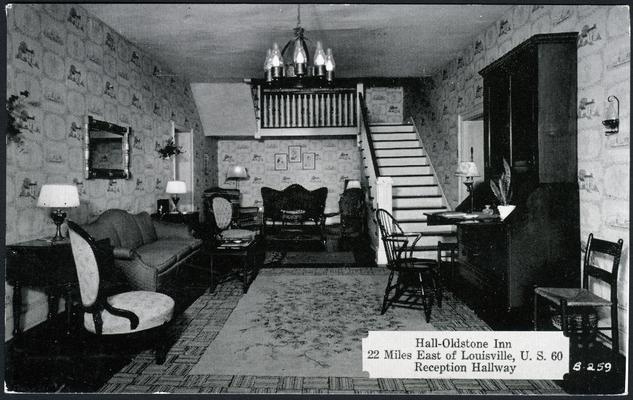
(503, 191)
(169, 149)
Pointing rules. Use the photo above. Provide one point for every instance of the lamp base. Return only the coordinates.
(469, 188)
(58, 217)
(175, 199)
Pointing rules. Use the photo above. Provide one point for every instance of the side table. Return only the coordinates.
(247, 251)
(188, 218)
(45, 265)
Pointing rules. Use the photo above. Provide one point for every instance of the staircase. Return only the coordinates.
(399, 155)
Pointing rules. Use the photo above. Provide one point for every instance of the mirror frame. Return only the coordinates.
(102, 173)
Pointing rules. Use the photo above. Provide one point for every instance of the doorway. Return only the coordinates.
(183, 165)
(471, 138)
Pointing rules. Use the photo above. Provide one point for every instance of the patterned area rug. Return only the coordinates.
(309, 259)
(308, 324)
(196, 329)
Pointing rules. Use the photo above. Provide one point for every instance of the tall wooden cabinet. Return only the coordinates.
(529, 120)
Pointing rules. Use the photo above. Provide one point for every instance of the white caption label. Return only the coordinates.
(466, 355)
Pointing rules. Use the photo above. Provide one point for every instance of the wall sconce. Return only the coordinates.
(612, 121)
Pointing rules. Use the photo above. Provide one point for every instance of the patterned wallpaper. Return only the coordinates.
(603, 69)
(73, 65)
(334, 161)
(384, 104)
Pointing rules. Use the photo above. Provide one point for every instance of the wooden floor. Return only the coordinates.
(45, 360)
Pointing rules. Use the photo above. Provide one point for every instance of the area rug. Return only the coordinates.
(308, 324)
(309, 259)
(196, 329)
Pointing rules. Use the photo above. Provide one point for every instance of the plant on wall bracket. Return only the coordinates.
(18, 116)
(169, 149)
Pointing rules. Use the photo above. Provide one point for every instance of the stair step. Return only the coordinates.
(418, 201)
(416, 191)
(405, 170)
(394, 136)
(413, 180)
(401, 161)
(396, 144)
(414, 213)
(391, 128)
(399, 152)
(422, 226)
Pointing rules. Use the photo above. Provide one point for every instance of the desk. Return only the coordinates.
(44, 265)
(247, 252)
(456, 218)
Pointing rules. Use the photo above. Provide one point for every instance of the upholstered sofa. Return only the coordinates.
(146, 251)
(295, 197)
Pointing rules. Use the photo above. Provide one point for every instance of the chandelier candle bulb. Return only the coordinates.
(276, 62)
(319, 60)
(300, 58)
(330, 65)
(268, 65)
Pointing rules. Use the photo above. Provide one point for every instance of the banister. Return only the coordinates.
(370, 141)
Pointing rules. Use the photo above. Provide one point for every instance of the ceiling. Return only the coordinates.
(227, 42)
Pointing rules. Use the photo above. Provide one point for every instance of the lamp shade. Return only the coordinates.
(237, 172)
(353, 184)
(176, 187)
(58, 196)
(467, 168)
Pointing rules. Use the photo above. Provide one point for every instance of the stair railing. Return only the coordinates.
(428, 158)
(378, 189)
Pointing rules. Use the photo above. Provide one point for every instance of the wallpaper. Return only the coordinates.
(278, 163)
(603, 69)
(73, 65)
(384, 104)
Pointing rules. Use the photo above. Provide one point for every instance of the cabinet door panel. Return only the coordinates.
(498, 133)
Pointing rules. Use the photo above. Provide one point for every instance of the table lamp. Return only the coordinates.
(175, 188)
(468, 169)
(237, 173)
(58, 196)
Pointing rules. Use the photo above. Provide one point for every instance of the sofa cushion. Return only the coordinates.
(126, 228)
(145, 224)
(162, 254)
(100, 229)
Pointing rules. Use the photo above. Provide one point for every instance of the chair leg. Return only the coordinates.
(425, 302)
(385, 300)
(615, 335)
(437, 281)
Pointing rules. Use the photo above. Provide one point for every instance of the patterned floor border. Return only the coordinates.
(195, 329)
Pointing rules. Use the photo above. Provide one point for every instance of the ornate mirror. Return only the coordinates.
(107, 150)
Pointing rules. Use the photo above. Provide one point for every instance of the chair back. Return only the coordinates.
(82, 245)
(601, 249)
(222, 212)
(352, 203)
(389, 227)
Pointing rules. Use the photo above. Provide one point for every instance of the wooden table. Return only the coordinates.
(457, 218)
(45, 265)
(246, 251)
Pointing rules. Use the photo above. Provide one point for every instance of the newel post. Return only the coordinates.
(383, 200)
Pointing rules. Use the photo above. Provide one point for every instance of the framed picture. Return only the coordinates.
(281, 161)
(294, 154)
(309, 160)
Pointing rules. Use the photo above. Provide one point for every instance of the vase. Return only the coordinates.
(504, 211)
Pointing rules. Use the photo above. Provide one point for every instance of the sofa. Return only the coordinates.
(147, 252)
(295, 197)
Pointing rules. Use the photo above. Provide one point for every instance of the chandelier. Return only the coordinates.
(323, 63)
